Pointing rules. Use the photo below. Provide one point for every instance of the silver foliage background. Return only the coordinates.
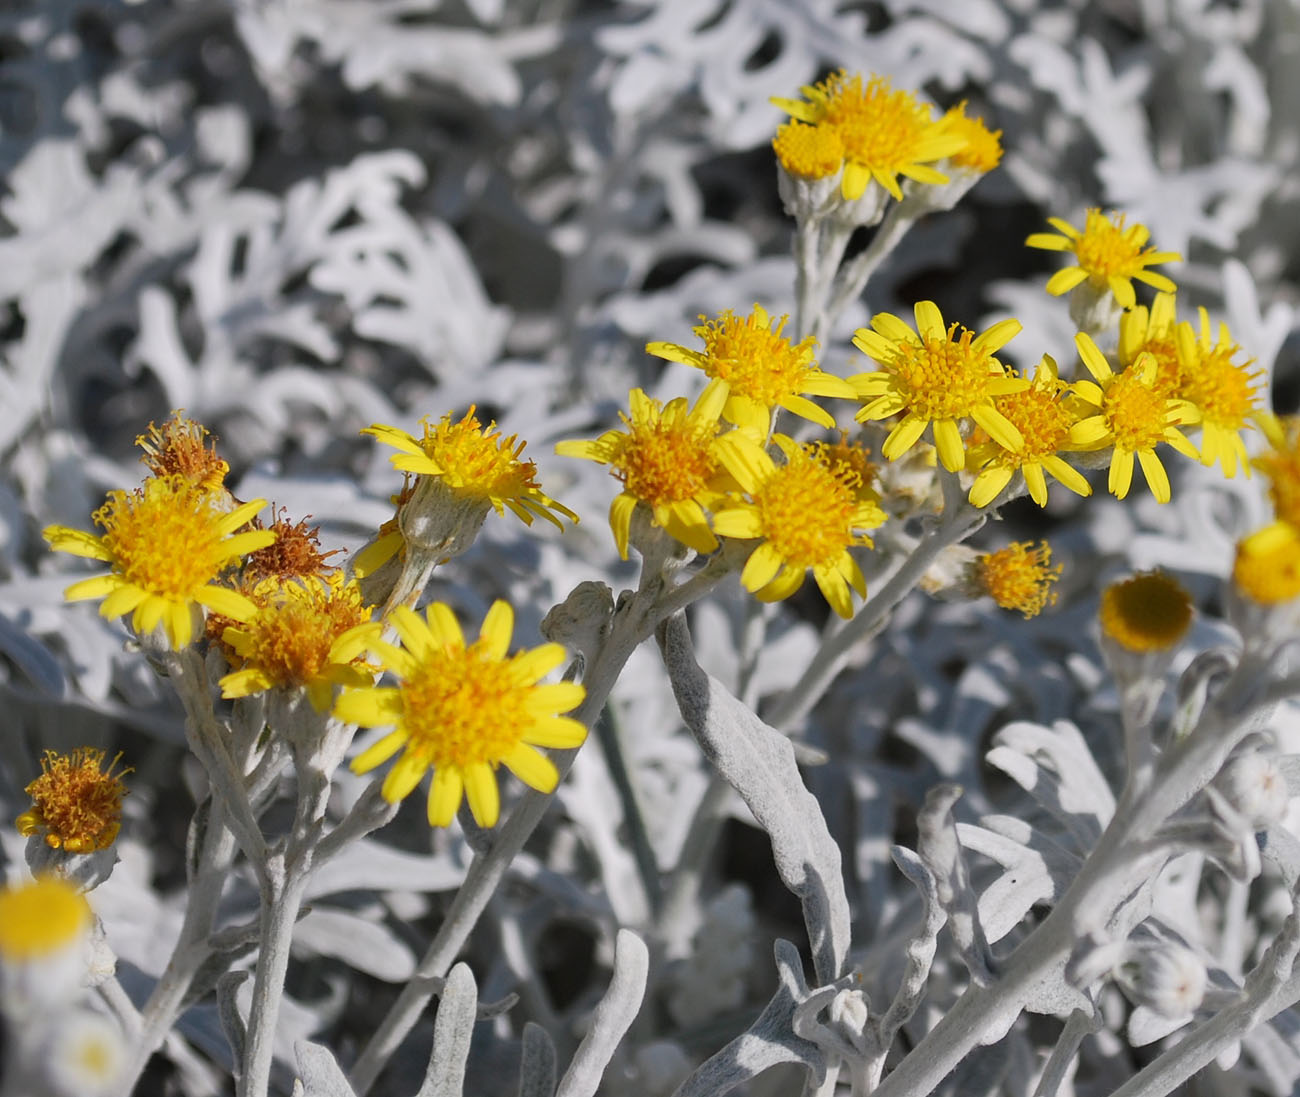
(294, 218)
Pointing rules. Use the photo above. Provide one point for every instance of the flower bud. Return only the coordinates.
(1166, 978)
(1254, 786)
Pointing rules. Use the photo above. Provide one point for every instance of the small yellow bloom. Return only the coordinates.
(1019, 577)
(1149, 612)
(463, 710)
(309, 634)
(936, 375)
(1110, 256)
(809, 152)
(1267, 566)
(179, 448)
(667, 459)
(1281, 466)
(168, 542)
(884, 133)
(1152, 331)
(75, 801)
(1222, 391)
(805, 513)
(761, 368)
(1043, 420)
(40, 918)
(1133, 417)
(982, 151)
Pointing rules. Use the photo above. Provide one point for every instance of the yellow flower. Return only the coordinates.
(809, 152)
(1282, 465)
(179, 448)
(761, 368)
(1133, 417)
(884, 133)
(308, 634)
(1267, 565)
(76, 802)
(1152, 331)
(41, 918)
(936, 377)
(804, 513)
(1043, 420)
(667, 460)
(982, 150)
(1019, 577)
(1222, 391)
(167, 542)
(1110, 256)
(461, 711)
(1149, 612)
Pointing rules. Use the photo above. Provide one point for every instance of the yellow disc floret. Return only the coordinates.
(1149, 612)
(1019, 577)
(76, 803)
(40, 918)
(463, 710)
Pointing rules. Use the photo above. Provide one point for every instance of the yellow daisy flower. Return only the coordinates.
(76, 803)
(1133, 417)
(1152, 331)
(884, 133)
(1281, 466)
(310, 634)
(1043, 419)
(168, 542)
(1222, 391)
(941, 376)
(982, 150)
(1019, 577)
(1267, 566)
(463, 710)
(1149, 612)
(761, 368)
(41, 918)
(805, 513)
(1110, 256)
(667, 459)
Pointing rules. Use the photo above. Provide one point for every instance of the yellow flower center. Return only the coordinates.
(1135, 412)
(1019, 577)
(806, 508)
(479, 463)
(1169, 368)
(1222, 390)
(756, 360)
(75, 801)
(879, 127)
(810, 152)
(1041, 419)
(296, 624)
(164, 537)
(1268, 575)
(178, 449)
(663, 461)
(1149, 612)
(40, 918)
(465, 707)
(946, 378)
(1106, 248)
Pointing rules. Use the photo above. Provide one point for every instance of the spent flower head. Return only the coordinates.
(180, 448)
(884, 132)
(461, 710)
(1019, 577)
(1149, 612)
(76, 802)
(294, 554)
(1132, 417)
(761, 368)
(309, 634)
(1042, 417)
(667, 460)
(168, 543)
(1109, 256)
(806, 513)
(937, 376)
